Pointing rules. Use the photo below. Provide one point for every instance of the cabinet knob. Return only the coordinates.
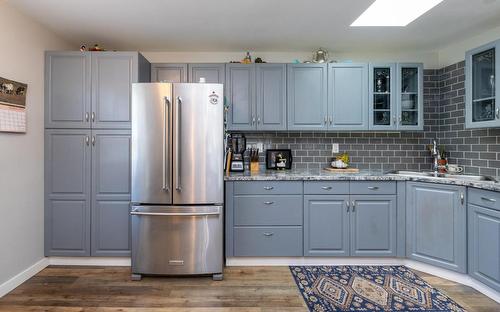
(373, 188)
(87, 116)
(87, 140)
(331, 120)
(326, 188)
(491, 200)
(268, 202)
(353, 205)
(268, 234)
(93, 116)
(268, 188)
(462, 197)
(497, 112)
(326, 119)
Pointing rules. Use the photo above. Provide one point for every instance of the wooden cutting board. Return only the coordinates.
(346, 170)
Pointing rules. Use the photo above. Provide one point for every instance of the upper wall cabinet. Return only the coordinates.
(168, 72)
(482, 66)
(256, 96)
(307, 96)
(91, 89)
(347, 96)
(410, 96)
(382, 96)
(213, 73)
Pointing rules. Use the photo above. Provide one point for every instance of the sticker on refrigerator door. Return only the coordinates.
(213, 98)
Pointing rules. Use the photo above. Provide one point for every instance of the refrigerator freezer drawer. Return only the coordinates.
(171, 240)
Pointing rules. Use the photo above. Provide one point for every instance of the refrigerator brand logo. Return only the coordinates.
(213, 98)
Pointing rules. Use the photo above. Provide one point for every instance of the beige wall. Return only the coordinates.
(22, 47)
(456, 52)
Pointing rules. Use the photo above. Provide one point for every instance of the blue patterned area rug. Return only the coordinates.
(368, 288)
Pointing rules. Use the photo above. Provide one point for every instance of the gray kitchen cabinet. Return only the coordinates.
(213, 73)
(326, 225)
(348, 96)
(373, 225)
(110, 192)
(410, 96)
(112, 76)
(382, 96)
(271, 96)
(67, 192)
(169, 72)
(436, 215)
(482, 72)
(256, 96)
(240, 96)
(484, 236)
(67, 89)
(307, 96)
(91, 89)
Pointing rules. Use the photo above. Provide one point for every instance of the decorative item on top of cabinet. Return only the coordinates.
(482, 69)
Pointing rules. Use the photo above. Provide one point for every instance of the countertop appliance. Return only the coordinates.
(177, 179)
(238, 144)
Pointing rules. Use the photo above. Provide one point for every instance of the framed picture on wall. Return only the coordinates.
(278, 159)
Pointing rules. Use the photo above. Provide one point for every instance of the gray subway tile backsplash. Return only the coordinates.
(444, 104)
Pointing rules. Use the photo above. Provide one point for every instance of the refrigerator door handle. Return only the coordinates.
(166, 113)
(177, 145)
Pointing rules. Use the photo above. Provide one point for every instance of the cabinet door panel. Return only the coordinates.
(307, 96)
(373, 225)
(326, 225)
(167, 72)
(348, 96)
(484, 245)
(271, 96)
(112, 76)
(67, 192)
(382, 96)
(410, 93)
(67, 90)
(240, 96)
(435, 224)
(213, 73)
(111, 192)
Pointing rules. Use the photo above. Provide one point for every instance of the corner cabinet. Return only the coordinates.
(482, 69)
(256, 96)
(436, 223)
(347, 96)
(91, 89)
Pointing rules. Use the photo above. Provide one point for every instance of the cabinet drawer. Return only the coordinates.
(489, 199)
(268, 241)
(268, 210)
(373, 187)
(326, 187)
(267, 187)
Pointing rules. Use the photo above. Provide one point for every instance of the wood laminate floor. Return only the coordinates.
(244, 289)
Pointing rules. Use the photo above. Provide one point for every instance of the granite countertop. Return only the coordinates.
(363, 175)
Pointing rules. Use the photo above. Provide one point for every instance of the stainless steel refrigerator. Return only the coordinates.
(177, 179)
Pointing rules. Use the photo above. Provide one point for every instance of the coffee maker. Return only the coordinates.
(237, 144)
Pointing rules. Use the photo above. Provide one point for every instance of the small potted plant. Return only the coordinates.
(442, 161)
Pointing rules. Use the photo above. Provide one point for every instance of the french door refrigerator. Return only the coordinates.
(177, 179)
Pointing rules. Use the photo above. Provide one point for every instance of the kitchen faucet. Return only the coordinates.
(435, 155)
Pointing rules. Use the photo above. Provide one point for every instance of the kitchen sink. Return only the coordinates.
(443, 175)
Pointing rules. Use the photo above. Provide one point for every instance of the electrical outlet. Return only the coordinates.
(335, 148)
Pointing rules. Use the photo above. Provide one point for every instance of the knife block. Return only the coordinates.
(254, 166)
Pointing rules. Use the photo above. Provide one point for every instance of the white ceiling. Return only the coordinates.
(257, 25)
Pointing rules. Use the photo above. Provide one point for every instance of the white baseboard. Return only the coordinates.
(91, 261)
(427, 268)
(20, 278)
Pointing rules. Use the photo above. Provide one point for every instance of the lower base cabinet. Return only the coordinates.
(484, 237)
(87, 192)
(268, 241)
(356, 225)
(436, 227)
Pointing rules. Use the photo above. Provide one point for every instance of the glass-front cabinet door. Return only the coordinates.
(382, 96)
(410, 96)
(482, 69)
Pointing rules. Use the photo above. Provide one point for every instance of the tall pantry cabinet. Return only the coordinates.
(87, 151)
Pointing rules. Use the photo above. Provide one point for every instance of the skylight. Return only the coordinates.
(394, 12)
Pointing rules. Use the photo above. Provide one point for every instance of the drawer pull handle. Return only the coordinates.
(268, 202)
(268, 188)
(373, 188)
(491, 200)
(268, 234)
(326, 188)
